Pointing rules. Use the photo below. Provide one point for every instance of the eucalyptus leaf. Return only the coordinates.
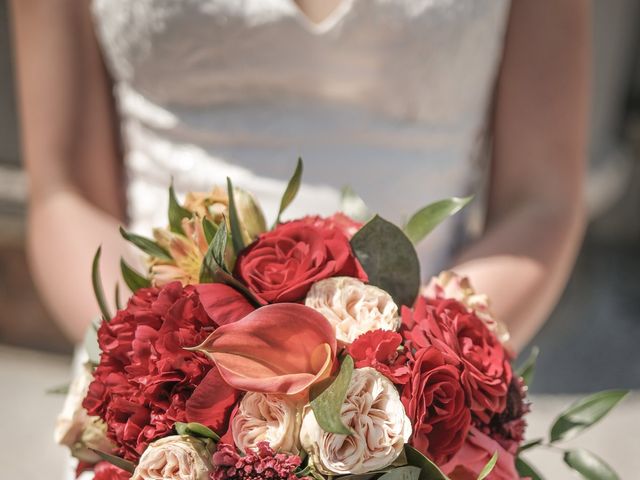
(402, 473)
(219, 245)
(146, 245)
(234, 221)
(209, 229)
(176, 212)
(292, 189)
(527, 369)
(327, 406)
(527, 471)
(134, 280)
(389, 259)
(427, 218)
(589, 465)
(125, 465)
(97, 286)
(428, 469)
(352, 205)
(489, 466)
(196, 430)
(584, 413)
(530, 444)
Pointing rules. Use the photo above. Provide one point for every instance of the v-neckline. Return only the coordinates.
(328, 22)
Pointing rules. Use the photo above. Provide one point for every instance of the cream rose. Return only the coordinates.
(75, 428)
(267, 418)
(449, 284)
(374, 412)
(352, 307)
(178, 457)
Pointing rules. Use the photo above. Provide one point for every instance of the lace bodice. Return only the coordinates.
(387, 96)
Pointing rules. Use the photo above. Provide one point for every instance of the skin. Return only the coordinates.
(535, 214)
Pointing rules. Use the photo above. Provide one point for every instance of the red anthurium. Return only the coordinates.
(282, 348)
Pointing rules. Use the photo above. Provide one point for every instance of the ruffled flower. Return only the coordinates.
(352, 307)
(178, 457)
(264, 463)
(382, 350)
(107, 471)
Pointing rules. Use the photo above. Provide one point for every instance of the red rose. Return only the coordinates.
(281, 265)
(379, 349)
(338, 221)
(107, 471)
(467, 343)
(145, 375)
(435, 402)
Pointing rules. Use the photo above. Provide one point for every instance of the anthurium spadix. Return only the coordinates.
(282, 348)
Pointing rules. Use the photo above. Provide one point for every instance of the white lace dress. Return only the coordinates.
(389, 97)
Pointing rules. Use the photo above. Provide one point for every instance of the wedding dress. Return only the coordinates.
(389, 97)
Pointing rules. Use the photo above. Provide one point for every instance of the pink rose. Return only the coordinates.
(476, 451)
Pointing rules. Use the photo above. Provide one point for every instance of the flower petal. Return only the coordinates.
(222, 303)
(212, 402)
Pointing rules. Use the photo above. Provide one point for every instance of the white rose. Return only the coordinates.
(75, 428)
(449, 284)
(267, 418)
(352, 307)
(178, 457)
(374, 412)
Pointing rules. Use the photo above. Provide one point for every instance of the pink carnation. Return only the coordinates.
(265, 463)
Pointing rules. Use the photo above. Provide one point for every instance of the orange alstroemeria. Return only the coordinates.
(282, 348)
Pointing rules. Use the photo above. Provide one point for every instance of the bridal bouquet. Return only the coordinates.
(308, 350)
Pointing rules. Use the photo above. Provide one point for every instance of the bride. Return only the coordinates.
(405, 101)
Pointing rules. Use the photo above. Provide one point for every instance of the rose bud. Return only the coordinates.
(352, 307)
(373, 411)
(178, 457)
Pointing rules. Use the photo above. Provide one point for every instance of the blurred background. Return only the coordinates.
(590, 343)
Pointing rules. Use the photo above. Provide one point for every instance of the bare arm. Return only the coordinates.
(535, 216)
(69, 146)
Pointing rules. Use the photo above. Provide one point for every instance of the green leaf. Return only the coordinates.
(97, 286)
(489, 466)
(133, 279)
(353, 206)
(91, 346)
(196, 430)
(428, 469)
(530, 444)
(389, 259)
(209, 228)
(528, 368)
(116, 296)
(402, 473)
(146, 245)
(59, 390)
(292, 189)
(589, 465)
(584, 413)
(426, 219)
(327, 406)
(219, 245)
(525, 470)
(176, 212)
(125, 465)
(234, 221)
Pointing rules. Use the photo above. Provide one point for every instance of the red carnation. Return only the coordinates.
(145, 376)
(466, 342)
(282, 264)
(265, 463)
(379, 349)
(107, 471)
(435, 402)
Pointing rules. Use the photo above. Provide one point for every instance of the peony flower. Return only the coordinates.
(474, 455)
(267, 418)
(436, 404)
(264, 463)
(465, 342)
(282, 264)
(382, 350)
(178, 457)
(146, 378)
(449, 284)
(373, 411)
(75, 428)
(352, 307)
(281, 349)
(107, 471)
